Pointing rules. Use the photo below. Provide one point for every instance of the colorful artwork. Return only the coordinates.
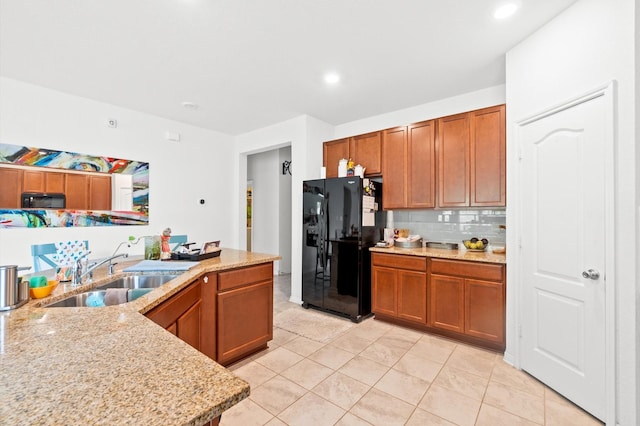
(30, 156)
(35, 218)
(40, 218)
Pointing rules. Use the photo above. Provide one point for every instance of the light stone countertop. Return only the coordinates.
(459, 254)
(112, 365)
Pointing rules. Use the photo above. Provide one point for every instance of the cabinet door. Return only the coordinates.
(446, 303)
(99, 192)
(245, 320)
(209, 315)
(333, 152)
(487, 152)
(366, 151)
(384, 291)
(412, 296)
(54, 182)
(453, 161)
(181, 314)
(11, 183)
(32, 181)
(485, 310)
(394, 170)
(421, 165)
(188, 325)
(76, 191)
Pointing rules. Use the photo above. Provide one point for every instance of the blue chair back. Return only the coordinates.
(176, 240)
(44, 252)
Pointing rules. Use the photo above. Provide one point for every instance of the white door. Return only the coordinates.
(563, 251)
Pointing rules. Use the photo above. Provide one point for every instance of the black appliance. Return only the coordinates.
(342, 218)
(41, 200)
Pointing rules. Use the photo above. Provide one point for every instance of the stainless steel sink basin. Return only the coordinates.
(138, 281)
(88, 298)
(95, 296)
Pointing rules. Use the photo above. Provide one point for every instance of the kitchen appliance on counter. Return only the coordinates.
(342, 218)
(42, 200)
(13, 291)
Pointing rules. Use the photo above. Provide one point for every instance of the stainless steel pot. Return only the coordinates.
(13, 292)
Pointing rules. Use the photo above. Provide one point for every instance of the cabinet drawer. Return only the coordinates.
(168, 312)
(481, 271)
(414, 263)
(244, 276)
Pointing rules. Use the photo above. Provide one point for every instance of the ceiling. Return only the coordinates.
(247, 64)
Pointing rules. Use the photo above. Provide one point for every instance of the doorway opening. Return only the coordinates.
(249, 213)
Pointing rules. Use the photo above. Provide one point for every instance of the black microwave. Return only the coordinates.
(41, 200)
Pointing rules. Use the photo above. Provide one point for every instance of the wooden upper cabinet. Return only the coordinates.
(54, 182)
(472, 159)
(453, 161)
(365, 150)
(332, 153)
(11, 182)
(362, 149)
(488, 157)
(43, 181)
(394, 171)
(421, 165)
(32, 181)
(99, 192)
(77, 191)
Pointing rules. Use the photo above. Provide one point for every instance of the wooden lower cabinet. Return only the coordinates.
(226, 315)
(181, 314)
(464, 300)
(446, 303)
(484, 311)
(244, 321)
(245, 312)
(399, 287)
(384, 290)
(468, 298)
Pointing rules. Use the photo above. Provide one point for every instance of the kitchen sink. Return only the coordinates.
(138, 281)
(82, 299)
(95, 296)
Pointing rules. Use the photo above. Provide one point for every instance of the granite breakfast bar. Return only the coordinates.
(112, 365)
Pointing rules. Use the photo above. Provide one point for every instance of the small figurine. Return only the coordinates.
(350, 167)
(166, 249)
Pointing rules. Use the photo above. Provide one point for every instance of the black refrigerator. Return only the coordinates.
(342, 218)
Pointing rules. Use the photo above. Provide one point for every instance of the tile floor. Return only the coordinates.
(375, 373)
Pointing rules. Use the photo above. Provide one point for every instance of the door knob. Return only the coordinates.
(591, 274)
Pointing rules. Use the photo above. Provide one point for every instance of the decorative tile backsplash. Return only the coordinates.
(453, 226)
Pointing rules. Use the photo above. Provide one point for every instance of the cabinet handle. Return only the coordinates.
(205, 279)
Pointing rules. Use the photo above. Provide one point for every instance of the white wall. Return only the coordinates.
(588, 45)
(181, 173)
(467, 102)
(284, 212)
(262, 169)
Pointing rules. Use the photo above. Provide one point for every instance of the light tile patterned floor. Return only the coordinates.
(375, 373)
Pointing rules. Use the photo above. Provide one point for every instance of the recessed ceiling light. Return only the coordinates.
(505, 11)
(189, 105)
(331, 78)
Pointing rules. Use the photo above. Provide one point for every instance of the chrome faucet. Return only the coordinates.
(79, 273)
(76, 277)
